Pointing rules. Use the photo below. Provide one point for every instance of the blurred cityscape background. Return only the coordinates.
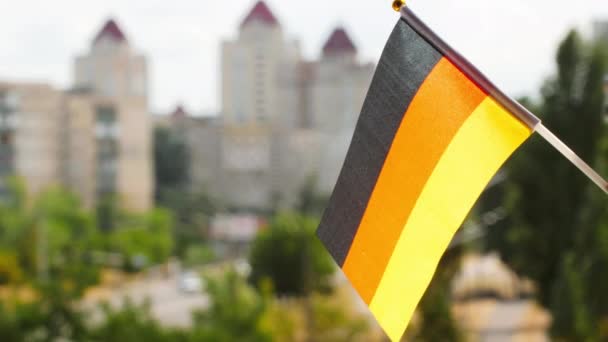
(122, 223)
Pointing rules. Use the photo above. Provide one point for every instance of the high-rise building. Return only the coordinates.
(109, 128)
(330, 94)
(283, 119)
(30, 133)
(253, 114)
(94, 139)
(202, 136)
(112, 68)
(338, 90)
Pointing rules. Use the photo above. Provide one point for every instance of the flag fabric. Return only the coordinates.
(432, 133)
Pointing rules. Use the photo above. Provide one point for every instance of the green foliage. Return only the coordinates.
(556, 219)
(435, 321)
(191, 209)
(46, 239)
(235, 314)
(333, 323)
(191, 212)
(46, 248)
(53, 238)
(16, 230)
(10, 270)
(310, 201)
(64, 233)
(107, 213)
(133, 323)
(571, 315)
(52, 247)
(53, 317)
(197, 255)
(289, 254)
(146, 236)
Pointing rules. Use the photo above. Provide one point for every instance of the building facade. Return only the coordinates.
(254, 107)
(114, 134)
(112, 68)
(283, 120)
(337, 91)
(95, 138)
(30, 133)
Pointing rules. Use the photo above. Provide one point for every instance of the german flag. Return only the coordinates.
(432, 133)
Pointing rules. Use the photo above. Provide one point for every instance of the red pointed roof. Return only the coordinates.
(179, 112)
(339, 42)
(260, 12)
(111, 30)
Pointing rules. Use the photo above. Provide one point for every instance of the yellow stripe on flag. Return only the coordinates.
(486, 139)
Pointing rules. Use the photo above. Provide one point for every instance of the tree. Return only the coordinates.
(192, 208)
(46, 258)
(143, 238)
(191, 211)
(133, 322)
(16, 232)
(235, 314)
(64, 234)
(107, 213)
(310, 201)
(289, 254)
(571, 315)
(434, 319)
(51, 317)
(334, 321)
(554, 209)
(56, 318)
(46, 238)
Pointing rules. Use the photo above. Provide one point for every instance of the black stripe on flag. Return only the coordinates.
(405, 63)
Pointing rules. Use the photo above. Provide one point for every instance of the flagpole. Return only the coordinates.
(511, 105)
(572, 157)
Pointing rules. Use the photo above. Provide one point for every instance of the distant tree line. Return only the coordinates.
(557, 231)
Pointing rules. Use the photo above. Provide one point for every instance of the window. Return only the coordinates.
(106, 176)
(6, 138)
(8, 104)
(106, 125)
(107, 149)
(106, 131)
(106, 115)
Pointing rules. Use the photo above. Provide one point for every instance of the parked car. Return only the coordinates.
(190, 282)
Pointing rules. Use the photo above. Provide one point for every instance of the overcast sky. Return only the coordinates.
(513, 41)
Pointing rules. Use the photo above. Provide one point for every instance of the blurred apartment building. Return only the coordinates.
(284, 119)
(30, 116)
(93, 138)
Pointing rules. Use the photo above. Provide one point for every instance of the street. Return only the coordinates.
(168, 304)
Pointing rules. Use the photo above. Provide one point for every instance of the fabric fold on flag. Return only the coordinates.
(432, 133)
